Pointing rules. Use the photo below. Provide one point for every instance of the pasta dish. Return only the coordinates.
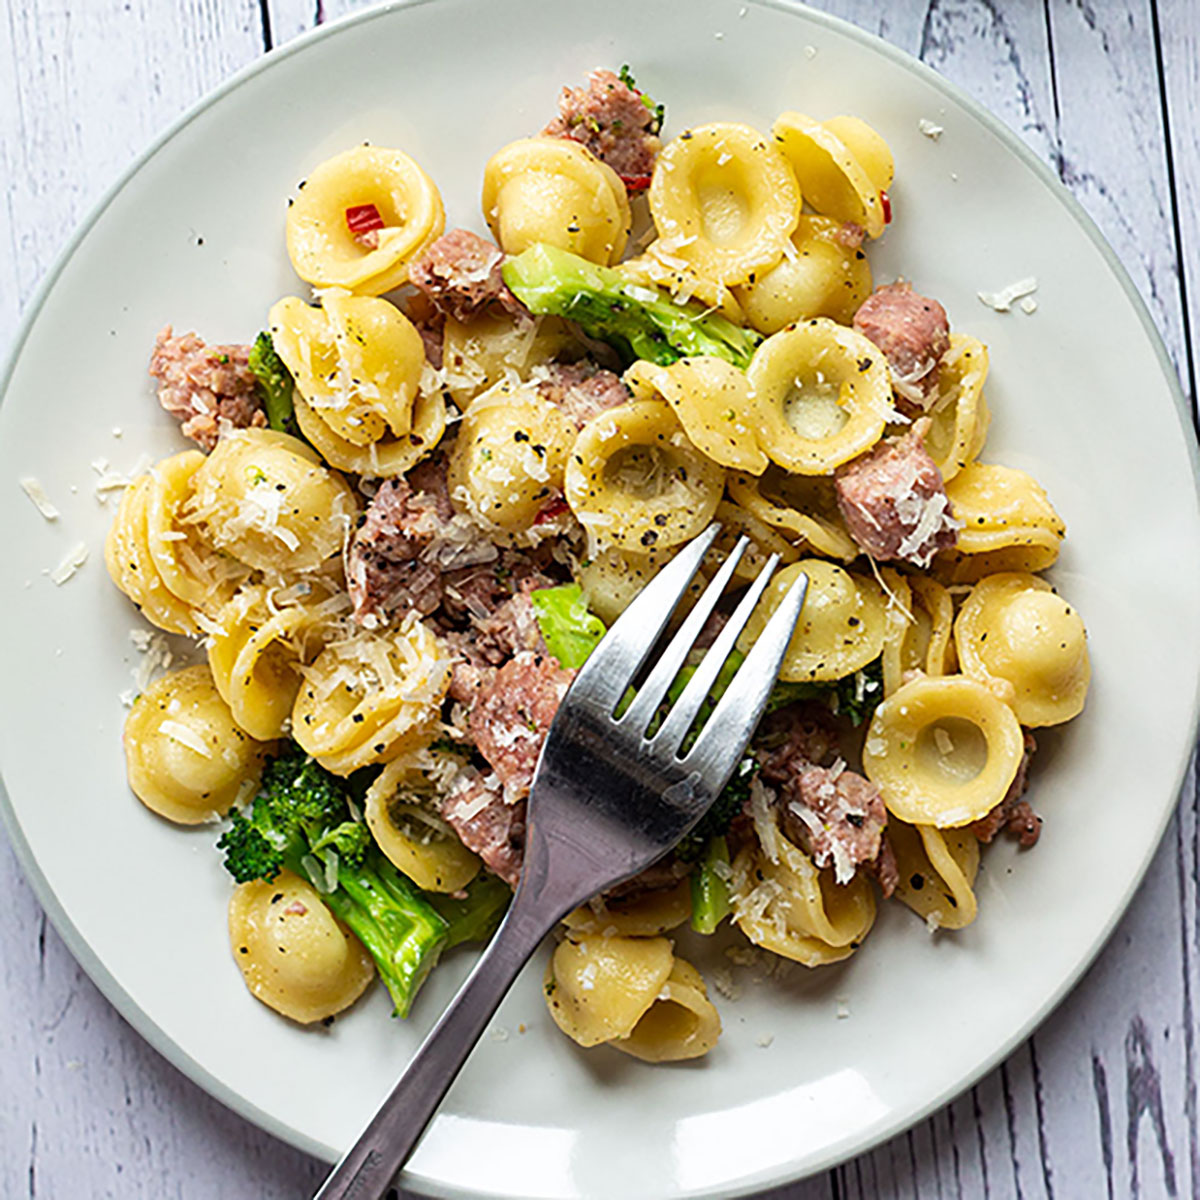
(418, 498)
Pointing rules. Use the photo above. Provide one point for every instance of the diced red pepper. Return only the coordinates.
(886, 201)
(553, 508)
(636, 183)
(363, 218)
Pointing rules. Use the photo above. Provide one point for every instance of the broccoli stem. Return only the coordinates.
(710, 892)
(554, 282)
(401, 930)
(473, 918)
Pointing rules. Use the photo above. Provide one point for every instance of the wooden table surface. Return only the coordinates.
(1101, 1102)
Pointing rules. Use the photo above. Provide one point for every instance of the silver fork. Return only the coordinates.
(610, 796)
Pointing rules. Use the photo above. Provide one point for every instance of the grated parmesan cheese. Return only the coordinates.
(930, 129)
(1002, 301)
(72, 561)
(177, 731)
(33, 489)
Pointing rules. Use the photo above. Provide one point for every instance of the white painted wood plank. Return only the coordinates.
(84, 87)
(1178, 34)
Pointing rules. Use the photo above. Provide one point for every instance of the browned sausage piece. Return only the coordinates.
(387, 572)
(511, 717)
(613, 122)
(582, 390)
(460, 274)
(894, 501)
(208, 388)
(913, 332)
(486, 825)
(1013, 814)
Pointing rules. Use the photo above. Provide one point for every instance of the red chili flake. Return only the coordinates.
(886, 201)
(297, 908)
(636, 183)
(554, 508)
(362, 218)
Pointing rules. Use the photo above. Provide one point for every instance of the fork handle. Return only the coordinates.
(369, 1167)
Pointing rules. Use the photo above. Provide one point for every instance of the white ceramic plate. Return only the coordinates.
(1083, 397)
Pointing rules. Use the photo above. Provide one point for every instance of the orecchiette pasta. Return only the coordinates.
(1016, 634)
(636, 482)
(936, 871)
(959, 416)
(481, 353)
(1008, 524)
(784, 904)
(824, 395)
(681, 1023)
(294, 955)
(764, 541)
(357, 362)
(510, 456)
(256, 652)
(714, 404)
(724, 201)
(920, 628)
(804, 506)
(370, 697)
(942, 752)
(639, 916)
(611, 578)
(841, 627)
(418, 649)
(325, 249)
(822, 275)
(386, 458)
(406, 828)
(555, 191)
(133, 569)
(185, 757)
(187, 565)
(631, 993)
(834, 179)
(266, 499)
(598, 988)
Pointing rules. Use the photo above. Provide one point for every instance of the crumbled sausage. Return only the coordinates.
(388, 573)
(582, 390)
(614, 123)
(208, 388)
(460, 274)
(837, 814)
(894, 501)
(1013, 815)
(913, 332)
(511, 717)
(495, 831)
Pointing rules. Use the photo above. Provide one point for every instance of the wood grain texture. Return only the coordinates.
(1102, 1100)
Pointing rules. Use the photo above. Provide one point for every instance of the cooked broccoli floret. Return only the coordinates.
(607, 306)
(274, 382)
(856, 696)
(302, 819)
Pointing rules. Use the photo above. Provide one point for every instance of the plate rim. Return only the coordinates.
(1189, 420)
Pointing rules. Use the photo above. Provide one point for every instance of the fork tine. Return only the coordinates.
(685, 710)
(641, 712)
(744, 700)
(611, 667)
